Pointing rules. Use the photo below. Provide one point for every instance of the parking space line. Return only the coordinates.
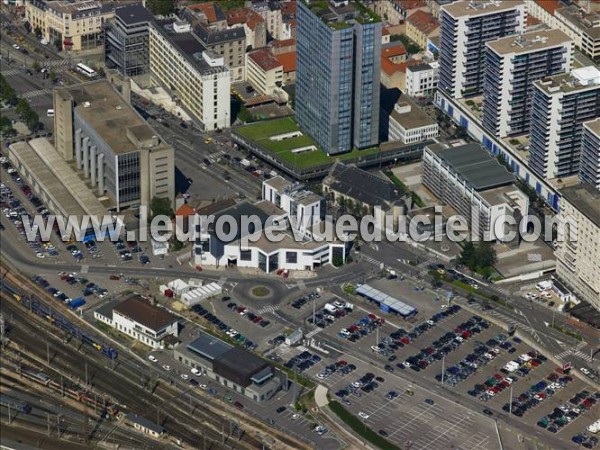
(450, 432)
(415, 418)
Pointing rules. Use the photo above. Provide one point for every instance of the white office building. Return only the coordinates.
(197, 78)
(465, 28)
(138, 318)
(298, 213)
(589, 166)
(578, 255)
(422, 79)
(409, 124)
(560, 104)
(513, 63)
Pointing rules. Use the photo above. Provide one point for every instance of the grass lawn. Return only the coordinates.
(260, 132)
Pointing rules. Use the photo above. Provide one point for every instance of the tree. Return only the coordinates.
(161, 7)
(36, 66)
(22, 107)
(485, 255)
(5, 124)
(32, 120)
(160, 207)
(467, 256)
(53, 76)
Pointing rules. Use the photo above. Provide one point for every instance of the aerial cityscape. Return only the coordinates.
(300, 224)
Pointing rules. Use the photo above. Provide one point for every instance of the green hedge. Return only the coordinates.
(359, 428)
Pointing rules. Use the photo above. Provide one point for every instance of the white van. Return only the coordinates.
(50, 113)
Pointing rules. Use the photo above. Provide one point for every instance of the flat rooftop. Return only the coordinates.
(582, 20)
(189, 46)
(499, 195)
(339, 15)
(593, 125)
(532, 41)
(586, 199)
(59, 180)
(577, 80)
(133, 14)
(209, 347)
(279, 183)
(479, 7)
(103, 108)
(415, 118)
(475, 165)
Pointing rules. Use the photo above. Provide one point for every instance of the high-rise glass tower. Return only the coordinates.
(338, 74)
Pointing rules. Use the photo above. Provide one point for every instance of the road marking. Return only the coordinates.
(85, 268)
(301, 284)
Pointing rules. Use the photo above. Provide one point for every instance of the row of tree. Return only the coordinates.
(479, 257)
(23, 109)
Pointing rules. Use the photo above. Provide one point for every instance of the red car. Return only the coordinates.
(372, 316)
(405, 340)
(498, 377)
(342, 363)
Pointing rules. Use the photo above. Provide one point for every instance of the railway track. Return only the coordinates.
(209, 422)
(66, 360)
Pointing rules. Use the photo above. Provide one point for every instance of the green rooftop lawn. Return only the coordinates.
(259, 132)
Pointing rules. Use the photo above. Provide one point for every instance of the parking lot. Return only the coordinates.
(403, 412)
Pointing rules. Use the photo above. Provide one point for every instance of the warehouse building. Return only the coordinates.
(233, 367)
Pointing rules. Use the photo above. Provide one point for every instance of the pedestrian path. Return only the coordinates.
(313, 333)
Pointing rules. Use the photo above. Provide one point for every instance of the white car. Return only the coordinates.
(152, 358)
(195, 371)
(203, 387)
(443, 306)
(16, 47)
(584, 371)
(185, 376)
(295, 416)
(166, 367)
(320, 429)
(363, 415)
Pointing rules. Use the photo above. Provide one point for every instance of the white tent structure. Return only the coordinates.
(195, 296)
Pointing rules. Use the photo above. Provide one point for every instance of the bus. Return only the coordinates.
(87, 71)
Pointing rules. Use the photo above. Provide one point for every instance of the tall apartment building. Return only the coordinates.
(338, 73)
(198, 78)
(589, 166)
(113, 147)
(578, 257)
(512, 64)
(478, 187)
(465, 27)
(72, 25)
(127, 47)
(559, 106)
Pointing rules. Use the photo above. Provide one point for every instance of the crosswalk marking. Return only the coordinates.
(268, 309)
(370, 260)
(313, 333)
(11, 72)
(36, 93)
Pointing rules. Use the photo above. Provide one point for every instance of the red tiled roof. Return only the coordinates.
(185, 210)
(284, 43)
(531, 21)
(264, 59)
(395, 50)
(288, 61)
(237, 16)
(208, 9)
(288, 7)
(141, 311)
(549, 5)
(385, 31)
(391, 68)
(423, 22)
